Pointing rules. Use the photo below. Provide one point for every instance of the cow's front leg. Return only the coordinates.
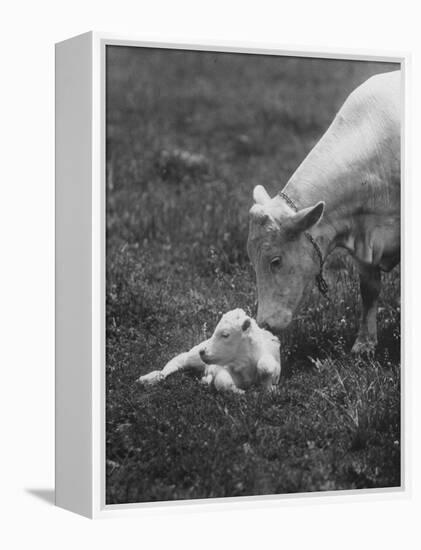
(370, 283)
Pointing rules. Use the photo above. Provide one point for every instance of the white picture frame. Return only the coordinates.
(80, 275)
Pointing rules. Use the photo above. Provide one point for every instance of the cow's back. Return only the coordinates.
(374, 108)
(362, 144)
(381, 91)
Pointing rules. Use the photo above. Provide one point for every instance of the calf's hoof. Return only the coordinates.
(150, 379)
(364, 347)
(206, 380)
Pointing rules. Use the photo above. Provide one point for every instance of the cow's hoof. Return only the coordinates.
(364, 347)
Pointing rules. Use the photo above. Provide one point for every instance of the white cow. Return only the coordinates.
(346, 193)
(239, 355)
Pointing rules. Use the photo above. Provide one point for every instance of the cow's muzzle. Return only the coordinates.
(275, 322)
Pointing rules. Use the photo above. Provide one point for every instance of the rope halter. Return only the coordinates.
(320, 280)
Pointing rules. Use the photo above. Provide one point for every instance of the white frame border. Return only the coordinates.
(101, 510)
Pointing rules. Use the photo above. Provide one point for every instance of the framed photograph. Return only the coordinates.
(229, 288)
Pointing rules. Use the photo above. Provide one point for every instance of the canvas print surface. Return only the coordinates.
(252, 275)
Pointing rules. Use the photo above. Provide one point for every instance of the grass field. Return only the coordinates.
(188, 136)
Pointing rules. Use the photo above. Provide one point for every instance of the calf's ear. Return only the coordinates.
(246, 324)
(308, 217)
(260, 195)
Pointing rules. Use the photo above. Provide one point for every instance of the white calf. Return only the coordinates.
(239, 355)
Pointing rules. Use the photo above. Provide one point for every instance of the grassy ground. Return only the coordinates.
(188, 136)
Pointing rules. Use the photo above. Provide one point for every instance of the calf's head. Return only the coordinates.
(229, 338)
(283, 258)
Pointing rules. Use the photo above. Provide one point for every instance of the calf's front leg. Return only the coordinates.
(370, 284)
(189, 360)
(269, 370)
(224, 382)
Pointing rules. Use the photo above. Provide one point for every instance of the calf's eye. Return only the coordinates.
(276, 262)
(224, 334)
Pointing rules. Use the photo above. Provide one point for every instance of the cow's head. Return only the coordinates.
(283, 258)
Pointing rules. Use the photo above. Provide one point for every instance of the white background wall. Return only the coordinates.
(28, 32)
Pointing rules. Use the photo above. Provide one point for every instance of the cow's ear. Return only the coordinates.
(260, 195)
(307, 217)
(246, 324)
(258, 214)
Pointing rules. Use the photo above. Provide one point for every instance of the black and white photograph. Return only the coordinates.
(253, 284)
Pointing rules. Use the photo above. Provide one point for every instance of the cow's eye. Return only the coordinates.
(225, 334)
(276, 262)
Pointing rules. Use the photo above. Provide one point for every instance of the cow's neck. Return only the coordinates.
(336, 227)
